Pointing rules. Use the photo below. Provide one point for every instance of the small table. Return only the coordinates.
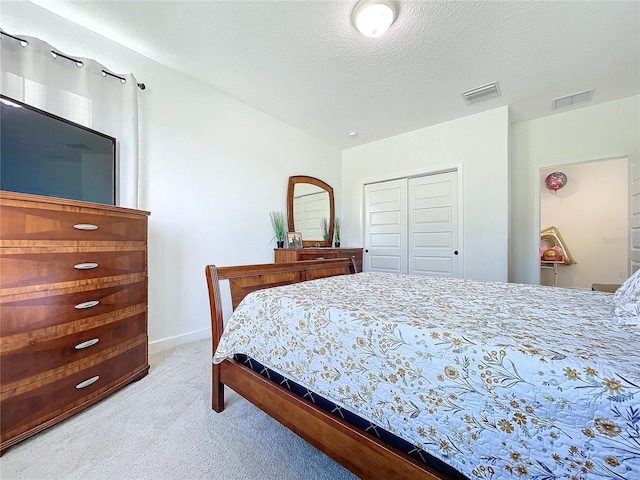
(554, 265)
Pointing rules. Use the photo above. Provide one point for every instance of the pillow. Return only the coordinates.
(629, 291)
(626, 300)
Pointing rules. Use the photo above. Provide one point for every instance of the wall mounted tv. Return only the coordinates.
(44, 154)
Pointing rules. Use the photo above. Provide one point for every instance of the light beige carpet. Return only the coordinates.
(162, 427)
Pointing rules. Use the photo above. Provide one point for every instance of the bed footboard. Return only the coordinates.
(245, 279)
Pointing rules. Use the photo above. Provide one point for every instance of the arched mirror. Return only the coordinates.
(309, 203)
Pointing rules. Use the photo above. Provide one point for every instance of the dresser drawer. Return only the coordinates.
(35, 314)
(35, 269)
(317, 255)
(30, 359)
(58, 225)
(38, 403)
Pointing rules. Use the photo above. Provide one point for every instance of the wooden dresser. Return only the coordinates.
(73, 308)
(296, 254)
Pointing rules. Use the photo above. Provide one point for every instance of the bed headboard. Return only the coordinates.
(245, 279)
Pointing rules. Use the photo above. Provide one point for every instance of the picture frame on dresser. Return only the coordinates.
(294, 240)
(73, 298)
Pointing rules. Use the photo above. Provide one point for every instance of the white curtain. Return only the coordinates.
(80, 90)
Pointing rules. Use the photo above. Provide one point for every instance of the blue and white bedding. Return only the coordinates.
(498, 380)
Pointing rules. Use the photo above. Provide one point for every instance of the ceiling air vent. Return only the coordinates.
(573, 99)
(479, 94)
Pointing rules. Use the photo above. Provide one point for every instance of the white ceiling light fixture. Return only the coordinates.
(374, 17)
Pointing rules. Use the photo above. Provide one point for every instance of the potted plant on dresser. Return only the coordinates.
(336, 231)
(277, 222)
(324, 226)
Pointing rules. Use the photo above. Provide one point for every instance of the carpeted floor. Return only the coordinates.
(162, 427)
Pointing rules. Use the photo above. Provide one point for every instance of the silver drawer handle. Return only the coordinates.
(87, 344)
(87, 382)
(89, 304)
(85, 226)
(85, 266)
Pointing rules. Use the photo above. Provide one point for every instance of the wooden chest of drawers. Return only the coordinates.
(73, 308)
(297, 254)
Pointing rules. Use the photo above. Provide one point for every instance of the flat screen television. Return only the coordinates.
(43, 154)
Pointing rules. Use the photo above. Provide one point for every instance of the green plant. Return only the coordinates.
(324, 226)
(336, 230)
(277, 222)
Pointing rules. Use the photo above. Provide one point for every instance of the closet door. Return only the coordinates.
(433, 225)
(386, 227)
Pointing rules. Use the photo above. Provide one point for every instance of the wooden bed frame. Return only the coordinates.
(361, 453)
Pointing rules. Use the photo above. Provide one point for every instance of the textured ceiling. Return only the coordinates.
(304, 63)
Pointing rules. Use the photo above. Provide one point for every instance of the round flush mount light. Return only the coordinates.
(374, 17)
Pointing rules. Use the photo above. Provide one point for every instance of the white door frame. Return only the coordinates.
(421, 173)
(535, 181)
(633, 259)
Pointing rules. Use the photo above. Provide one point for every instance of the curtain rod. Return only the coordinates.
(79, 63)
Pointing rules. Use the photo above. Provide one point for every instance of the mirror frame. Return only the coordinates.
(318, 183)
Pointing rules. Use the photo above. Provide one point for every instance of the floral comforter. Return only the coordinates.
(498, 380)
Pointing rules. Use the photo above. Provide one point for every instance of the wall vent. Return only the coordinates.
(485, 92)
(573, 99)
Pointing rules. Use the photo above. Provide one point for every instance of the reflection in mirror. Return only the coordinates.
(310, 206)
(309, 201)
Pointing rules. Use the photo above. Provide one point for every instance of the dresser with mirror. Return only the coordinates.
(309, 201)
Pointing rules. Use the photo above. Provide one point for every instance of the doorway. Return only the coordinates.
(412, 225)
(591, 214)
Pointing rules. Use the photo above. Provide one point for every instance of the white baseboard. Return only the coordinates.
(170, 342)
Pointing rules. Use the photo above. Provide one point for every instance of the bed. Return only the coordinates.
(495, 380)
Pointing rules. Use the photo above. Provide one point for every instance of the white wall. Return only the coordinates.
(211, 168)
(594, 226)
(478, 146)
(606, 130)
